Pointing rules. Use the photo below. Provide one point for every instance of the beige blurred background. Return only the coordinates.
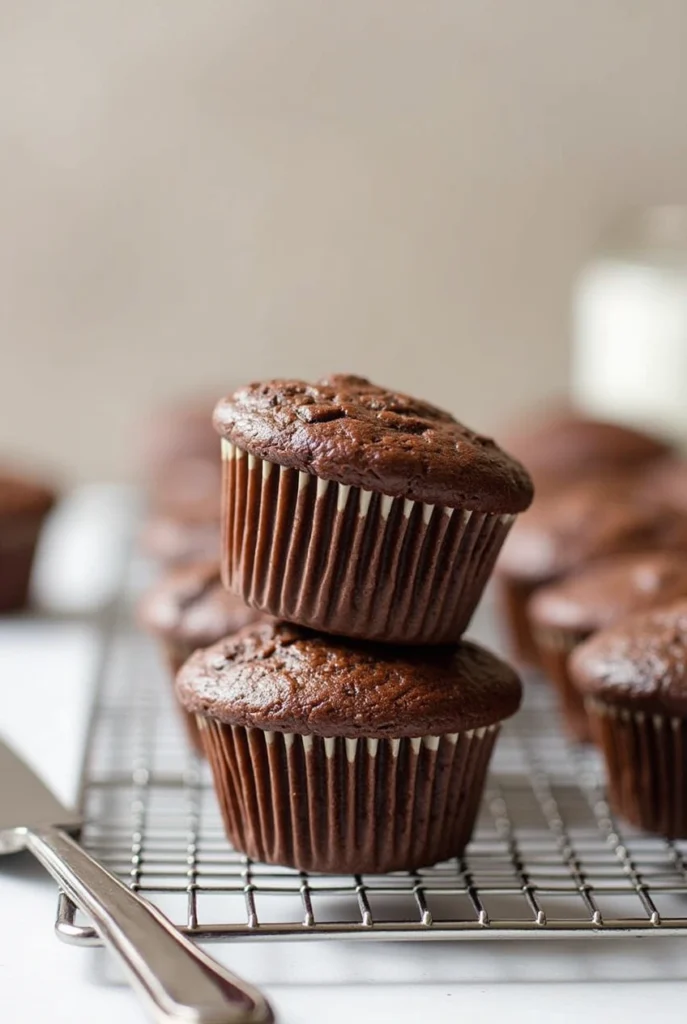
(196, 193)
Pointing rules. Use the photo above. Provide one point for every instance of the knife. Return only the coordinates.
(175, 980)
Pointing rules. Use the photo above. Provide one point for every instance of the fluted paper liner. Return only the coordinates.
(351, 561)
(554, 648)
(347, 805)
(646, 760)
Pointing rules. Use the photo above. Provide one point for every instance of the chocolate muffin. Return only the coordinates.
(24, 504)
(560, 446)
(181, 463)
(341, 756)
(179, 541)
(356, 510)
(565, 614)
(633, 677)
(189, 608)
(568, 529)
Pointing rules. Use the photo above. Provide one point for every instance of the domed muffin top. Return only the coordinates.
(280, 677)
(344, 428)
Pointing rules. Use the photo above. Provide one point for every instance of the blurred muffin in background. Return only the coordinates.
(664, 483)
(24, 505)
(560, 446)
(183, 475)
(189, 489)
(182, 464)
(633, 678)
(569, 528)
(175, 541)
(181, 430)
(564, 614)
(189, 608)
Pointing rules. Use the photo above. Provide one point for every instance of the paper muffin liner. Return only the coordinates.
(18, 542)
(347, 805)
(352, 561)
(176, 653)
(554, 647)
(646, 760)
(513, 596)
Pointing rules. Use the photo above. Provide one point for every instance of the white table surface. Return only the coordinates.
(45, 662)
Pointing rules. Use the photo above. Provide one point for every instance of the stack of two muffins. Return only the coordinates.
(354, 734)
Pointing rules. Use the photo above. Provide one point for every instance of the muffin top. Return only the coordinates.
(181, 540)
(21, 496)
(190, 605)
(280, 677)
(606, 591)
(640, 663)
(586, 521)
(562, 445)
(344, 428)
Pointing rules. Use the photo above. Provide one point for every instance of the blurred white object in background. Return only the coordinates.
(84, 549)
(629, 358)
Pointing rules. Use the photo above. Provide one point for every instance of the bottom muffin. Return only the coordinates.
(341, 756)
(187, 609)
(634, 678)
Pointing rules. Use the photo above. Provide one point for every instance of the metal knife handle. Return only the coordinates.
(176, 980)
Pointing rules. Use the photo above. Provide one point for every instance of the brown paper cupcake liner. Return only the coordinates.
(554, 647)
(351, 561)
(646, 760)
(347, 805)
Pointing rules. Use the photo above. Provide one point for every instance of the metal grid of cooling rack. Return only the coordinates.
(547, 858)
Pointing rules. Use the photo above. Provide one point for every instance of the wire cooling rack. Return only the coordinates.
(547, 857)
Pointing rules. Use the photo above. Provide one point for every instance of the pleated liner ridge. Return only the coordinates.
(348, 560)
(341, 805)
(646, 760)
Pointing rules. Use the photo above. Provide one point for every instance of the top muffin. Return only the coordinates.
(345, 429)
